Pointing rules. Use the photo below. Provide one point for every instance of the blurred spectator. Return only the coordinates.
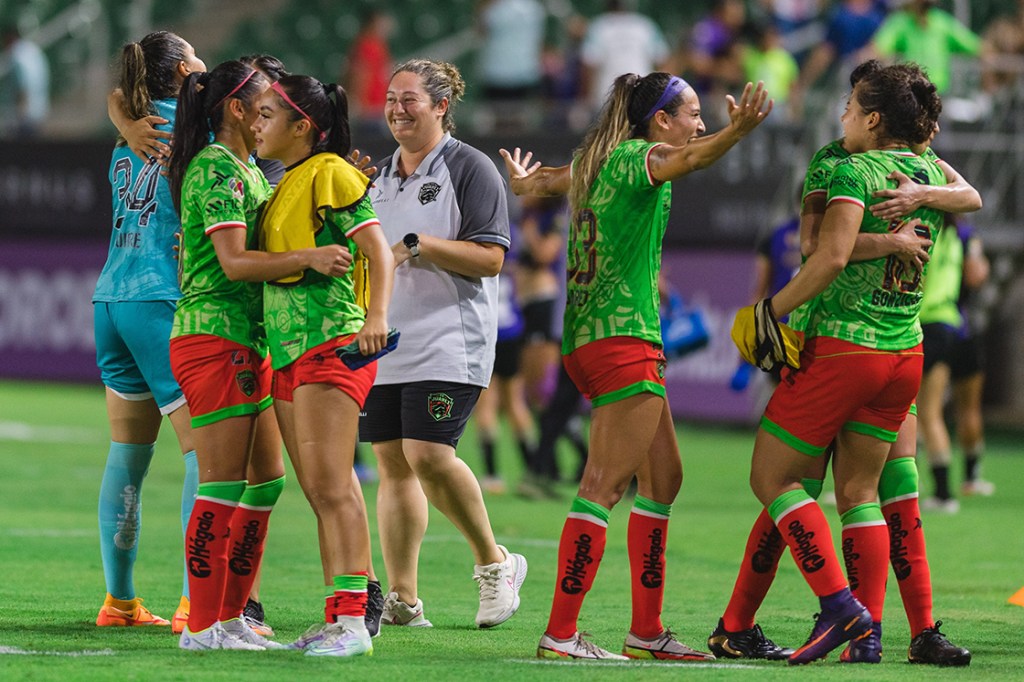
(924, 34)
(31, 72)
(619, 41)
(512, 38)
(797, 23)
(713, 58)
(1005, 36)
(848, 30)
(764, 59)
(562, 67)
(368, 73)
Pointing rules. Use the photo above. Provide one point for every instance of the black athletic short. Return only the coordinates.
(507, 356)
(432, 411)
(539, 321)
(939, 341)
(967, 358)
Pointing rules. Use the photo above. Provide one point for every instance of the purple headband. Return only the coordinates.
(237, 88)
(675, 86)
(276, 87)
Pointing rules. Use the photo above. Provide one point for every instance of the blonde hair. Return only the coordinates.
(611, 130)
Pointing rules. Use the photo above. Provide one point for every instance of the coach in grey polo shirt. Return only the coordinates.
(443, 207)
(448, 321)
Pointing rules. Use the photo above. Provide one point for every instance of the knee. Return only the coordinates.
(327, 499)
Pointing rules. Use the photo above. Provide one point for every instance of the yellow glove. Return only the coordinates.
(765, 342)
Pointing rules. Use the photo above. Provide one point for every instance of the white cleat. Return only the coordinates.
(574, 648)
(347, 637)
(499, 588)
(214, 637)
(239, 629)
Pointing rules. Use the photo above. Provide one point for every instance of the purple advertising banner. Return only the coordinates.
(718, 283)
(46, 309)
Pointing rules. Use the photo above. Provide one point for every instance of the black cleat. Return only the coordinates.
(374, 607)
(745, 644)
(932, 648)
(254, 617)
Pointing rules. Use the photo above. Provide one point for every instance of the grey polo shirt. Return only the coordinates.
(449, 323)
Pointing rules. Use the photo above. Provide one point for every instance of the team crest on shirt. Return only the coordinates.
(429, 192)
(439, 405)
(237, 188)
(246, 380)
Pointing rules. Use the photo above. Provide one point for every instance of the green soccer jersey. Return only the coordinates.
(614, 252)
(875, 303)
(945, 275)
(219, 192)
(315, 308)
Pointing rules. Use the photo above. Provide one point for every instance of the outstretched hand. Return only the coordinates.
(518, 164)
(753, 107)
(363, 163)
(904, 200)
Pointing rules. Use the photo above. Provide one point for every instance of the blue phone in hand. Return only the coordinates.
(353, 359)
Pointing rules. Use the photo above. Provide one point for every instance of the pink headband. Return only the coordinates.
(276, 87)
(237, 88)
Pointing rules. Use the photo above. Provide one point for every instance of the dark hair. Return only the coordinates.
(863, 70)
(201, 113)
(147, 71)
(269, 65)
(331, 131)
(441, 80)
(906, 100)
(624, 115)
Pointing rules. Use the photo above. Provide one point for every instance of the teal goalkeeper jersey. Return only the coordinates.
(614, 252)
(219, 191)
(875, 303)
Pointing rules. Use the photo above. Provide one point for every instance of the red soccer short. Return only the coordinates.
(320, 365)
(841, 385)
(617, 367)
(220, 378)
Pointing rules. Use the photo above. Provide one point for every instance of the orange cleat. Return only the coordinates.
(180, 618)
(111, 615)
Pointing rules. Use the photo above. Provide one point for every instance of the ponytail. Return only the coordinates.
(324, 106)
(137, 101)
(148, 70)
(200, 113)
(191, 131)
(612, 128)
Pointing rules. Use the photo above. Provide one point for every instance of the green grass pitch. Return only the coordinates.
(53, 443)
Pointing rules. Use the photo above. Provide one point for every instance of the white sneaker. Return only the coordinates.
(950, 506)
(312, 636)
(214, 637)
(347, 637)
(573, 648)
(238, 628)
(397, 612)
(979, 487)
(499, 589)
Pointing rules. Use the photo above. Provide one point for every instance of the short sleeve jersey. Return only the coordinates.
(614, 252)
(319, 201)
(140, 261)
(875, 303)
(220, 191)
(449, 322)
(930, 45)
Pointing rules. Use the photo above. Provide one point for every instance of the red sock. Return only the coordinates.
(349, 595)
(248, 534)
(867, 566)
(579, 555)
(206, 555)
(757, 572)
(805, 529)
(910, 562)
(646, 538)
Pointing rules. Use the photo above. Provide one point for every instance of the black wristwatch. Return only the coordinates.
(412, 242)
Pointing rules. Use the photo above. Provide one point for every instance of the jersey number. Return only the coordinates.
(582, 265)
(138, 196)
(900, 277)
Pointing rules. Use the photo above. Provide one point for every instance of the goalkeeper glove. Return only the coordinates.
(765, 342)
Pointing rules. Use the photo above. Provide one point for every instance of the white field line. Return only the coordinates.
(25, 433)
(15, 651)
(49, 532)
(516, 542)
(636, 664)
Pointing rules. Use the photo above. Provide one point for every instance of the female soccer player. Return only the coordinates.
(646, 137)
(737, 635)
(218, 345)
(443, 208)
(134, 307)
(322, 199)
(861, 367)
